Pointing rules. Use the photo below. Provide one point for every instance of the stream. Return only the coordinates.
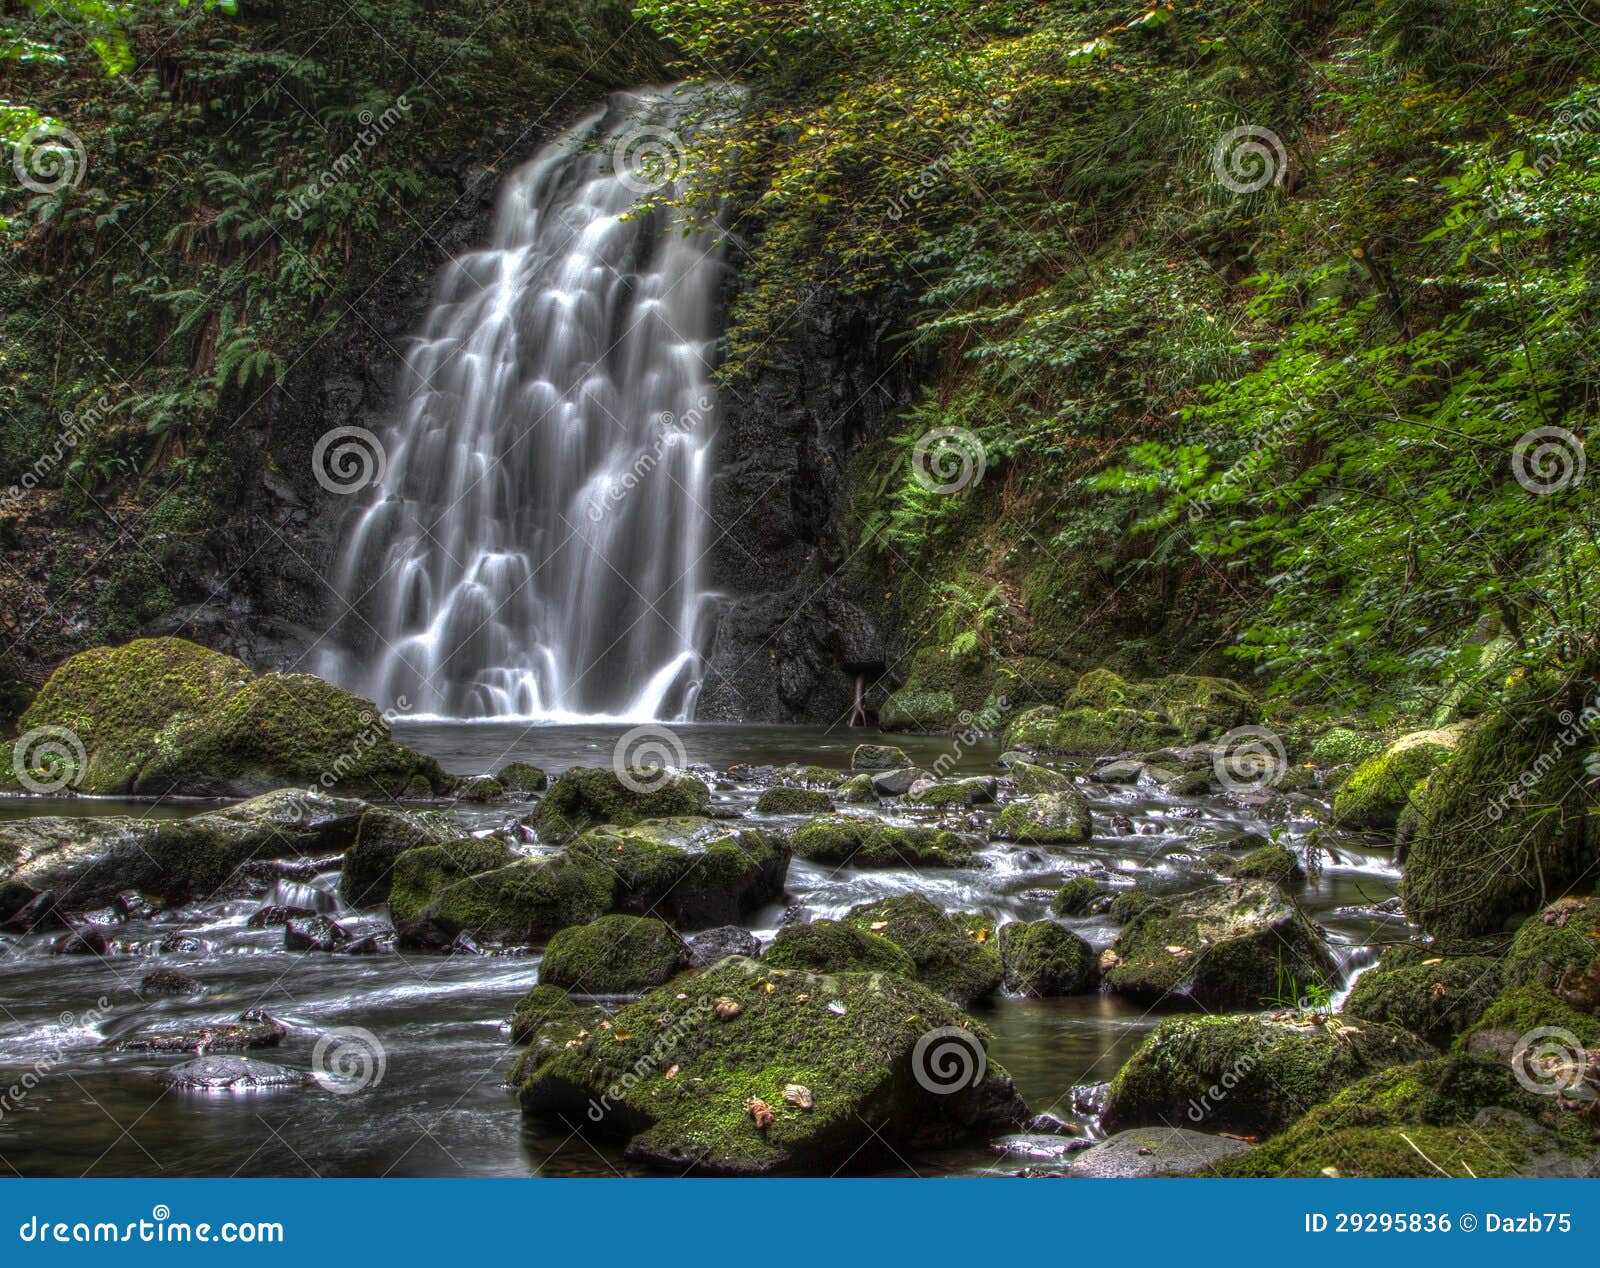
(441, 1107)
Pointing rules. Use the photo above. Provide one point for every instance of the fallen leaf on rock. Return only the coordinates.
(681, 995)
(727, 1009)
(802, 998)
(1180, 951)
(837, 1007)
(761, 1112)
(619, 1033)
(798, 1094)
(1438, 989)
(877, 925)
(1109, 960)
(1249, 1140)
(1438, 959)
(768, 987)
(672, 1072)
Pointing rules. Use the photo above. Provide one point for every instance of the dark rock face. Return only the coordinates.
(800, 617)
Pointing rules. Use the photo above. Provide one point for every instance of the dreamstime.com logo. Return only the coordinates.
(49, 157)
(948, 1060)
(160, 1227)
(1248, 158)
(1248, 759)
(1547, 460)
(349, 1060)
(645, 757)
(48, 759)
(647, 159)
(346, 460)
(1550, 1061)
(948, 460)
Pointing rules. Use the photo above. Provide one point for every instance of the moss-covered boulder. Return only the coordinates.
(1274, 862)
(88, 862)
(878, 757)
(955, 955)
(1235, 945)
(1515, 1012)
(786, 799)
(956, 794)
(1459, 1115)
(588, 795)
(1384, 784)
(1044, 958)
(520, 778)
(694, 872)
(858, 790)
(540, 1006)
(481, 789)
(747, 1070)
(382, 836)
(616, 955)
(1345, 746)
(1250, 1075)
(118, 700)
(1077, 896)
(862, 841)
(1488, 846)
(1031, 778)
(482, 889)
(1047, 818)
(1434, 1000)
(1106, 713)
(1555, 945)
(831, 946)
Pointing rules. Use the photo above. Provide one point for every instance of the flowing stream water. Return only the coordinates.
(533, 548)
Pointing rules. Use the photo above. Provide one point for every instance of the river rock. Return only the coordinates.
(786, 799)
(276, 916)
(897, 782)
(1123, 772)
(233, 1074)
(585, 796)
(979, 790)
(519, 779)
(1105, 713)
(1248, 1075)
(1031, 778)
(35, 912)
(1044, 958)
(381, 837)
(1225, 946)
(314, 933)
(1047, 818)
(1140, 1152)
(867, 841)
(1381, 787)
(831, 946)
(879, 757)
(86, 941)
(1078, 896)
(1273, 862)
(166, 982)
(705, 949)
(1436, 1000)
(254, 1029)
(954, 955)
(676, 1079)
(616, 955)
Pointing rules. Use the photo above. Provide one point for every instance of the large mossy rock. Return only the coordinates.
(1250, 1075)
(164, 716)
(1435, 1000)
(382, 836)
(694, 872)
(1043, 958)
(786, 799)
(955, 955)
(1047, 818)
(864, 841)
(616, 955)
(1106, 713)
(831, 946)
(119, 700)
(1459, 1115)
(586, 796)
(88, 862)
(1229, 946)
(1273, 862)
(693, 1077)
(1382, 786)
(1486, 846)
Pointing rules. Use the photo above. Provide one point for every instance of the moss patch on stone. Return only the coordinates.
(1075, 897)
(1043, 958)
(1275, 862)
(1105, 712)
(1047, 818)
(861, 841)
(831, 946)
(955, 955)
(1435, 1001)
(616, 955)
(1382, 786)
(786, 799)
(520, 777)
(588, 795)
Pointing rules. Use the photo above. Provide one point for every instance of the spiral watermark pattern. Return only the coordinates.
(949, 1060)
(348, 459)
(1547, 460)
(349, 1060)
(645, 757)
(1248, 158)
(1550, 1061)
(49, 157)
(1249, 758)
(948, 460)
(48, 759)
(647, 159)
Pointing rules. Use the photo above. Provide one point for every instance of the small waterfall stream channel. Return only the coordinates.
(526, 579)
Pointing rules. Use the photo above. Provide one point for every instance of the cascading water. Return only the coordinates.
(534, 547)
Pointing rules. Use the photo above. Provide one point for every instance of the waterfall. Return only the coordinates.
(533, 546)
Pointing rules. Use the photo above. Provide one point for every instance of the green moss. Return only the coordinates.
(1275, 862)
(1523, 1008)
(544, 1003)
(813, 776)
(1382, 786)
(1030, 779)
(674, 1077)
(588, 795)
(861, 841)
(1051, 818)
(1075, 897)
(1250, 1075)
(912, 710)
(858, 790)
(119, 700)
(954, 955)
(1435, 1001)
(616, 955)
(1106, 713)
(830, 946)
(1488, 846)
(420, 873)
(785, 799)
(878, 757)
(1456, 1110)
(1342, 746)
(952, 793)
(382, 835)
(480, 788)
(520, 777)
(1044, 958)
(1226, 946)
(1564, 937)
